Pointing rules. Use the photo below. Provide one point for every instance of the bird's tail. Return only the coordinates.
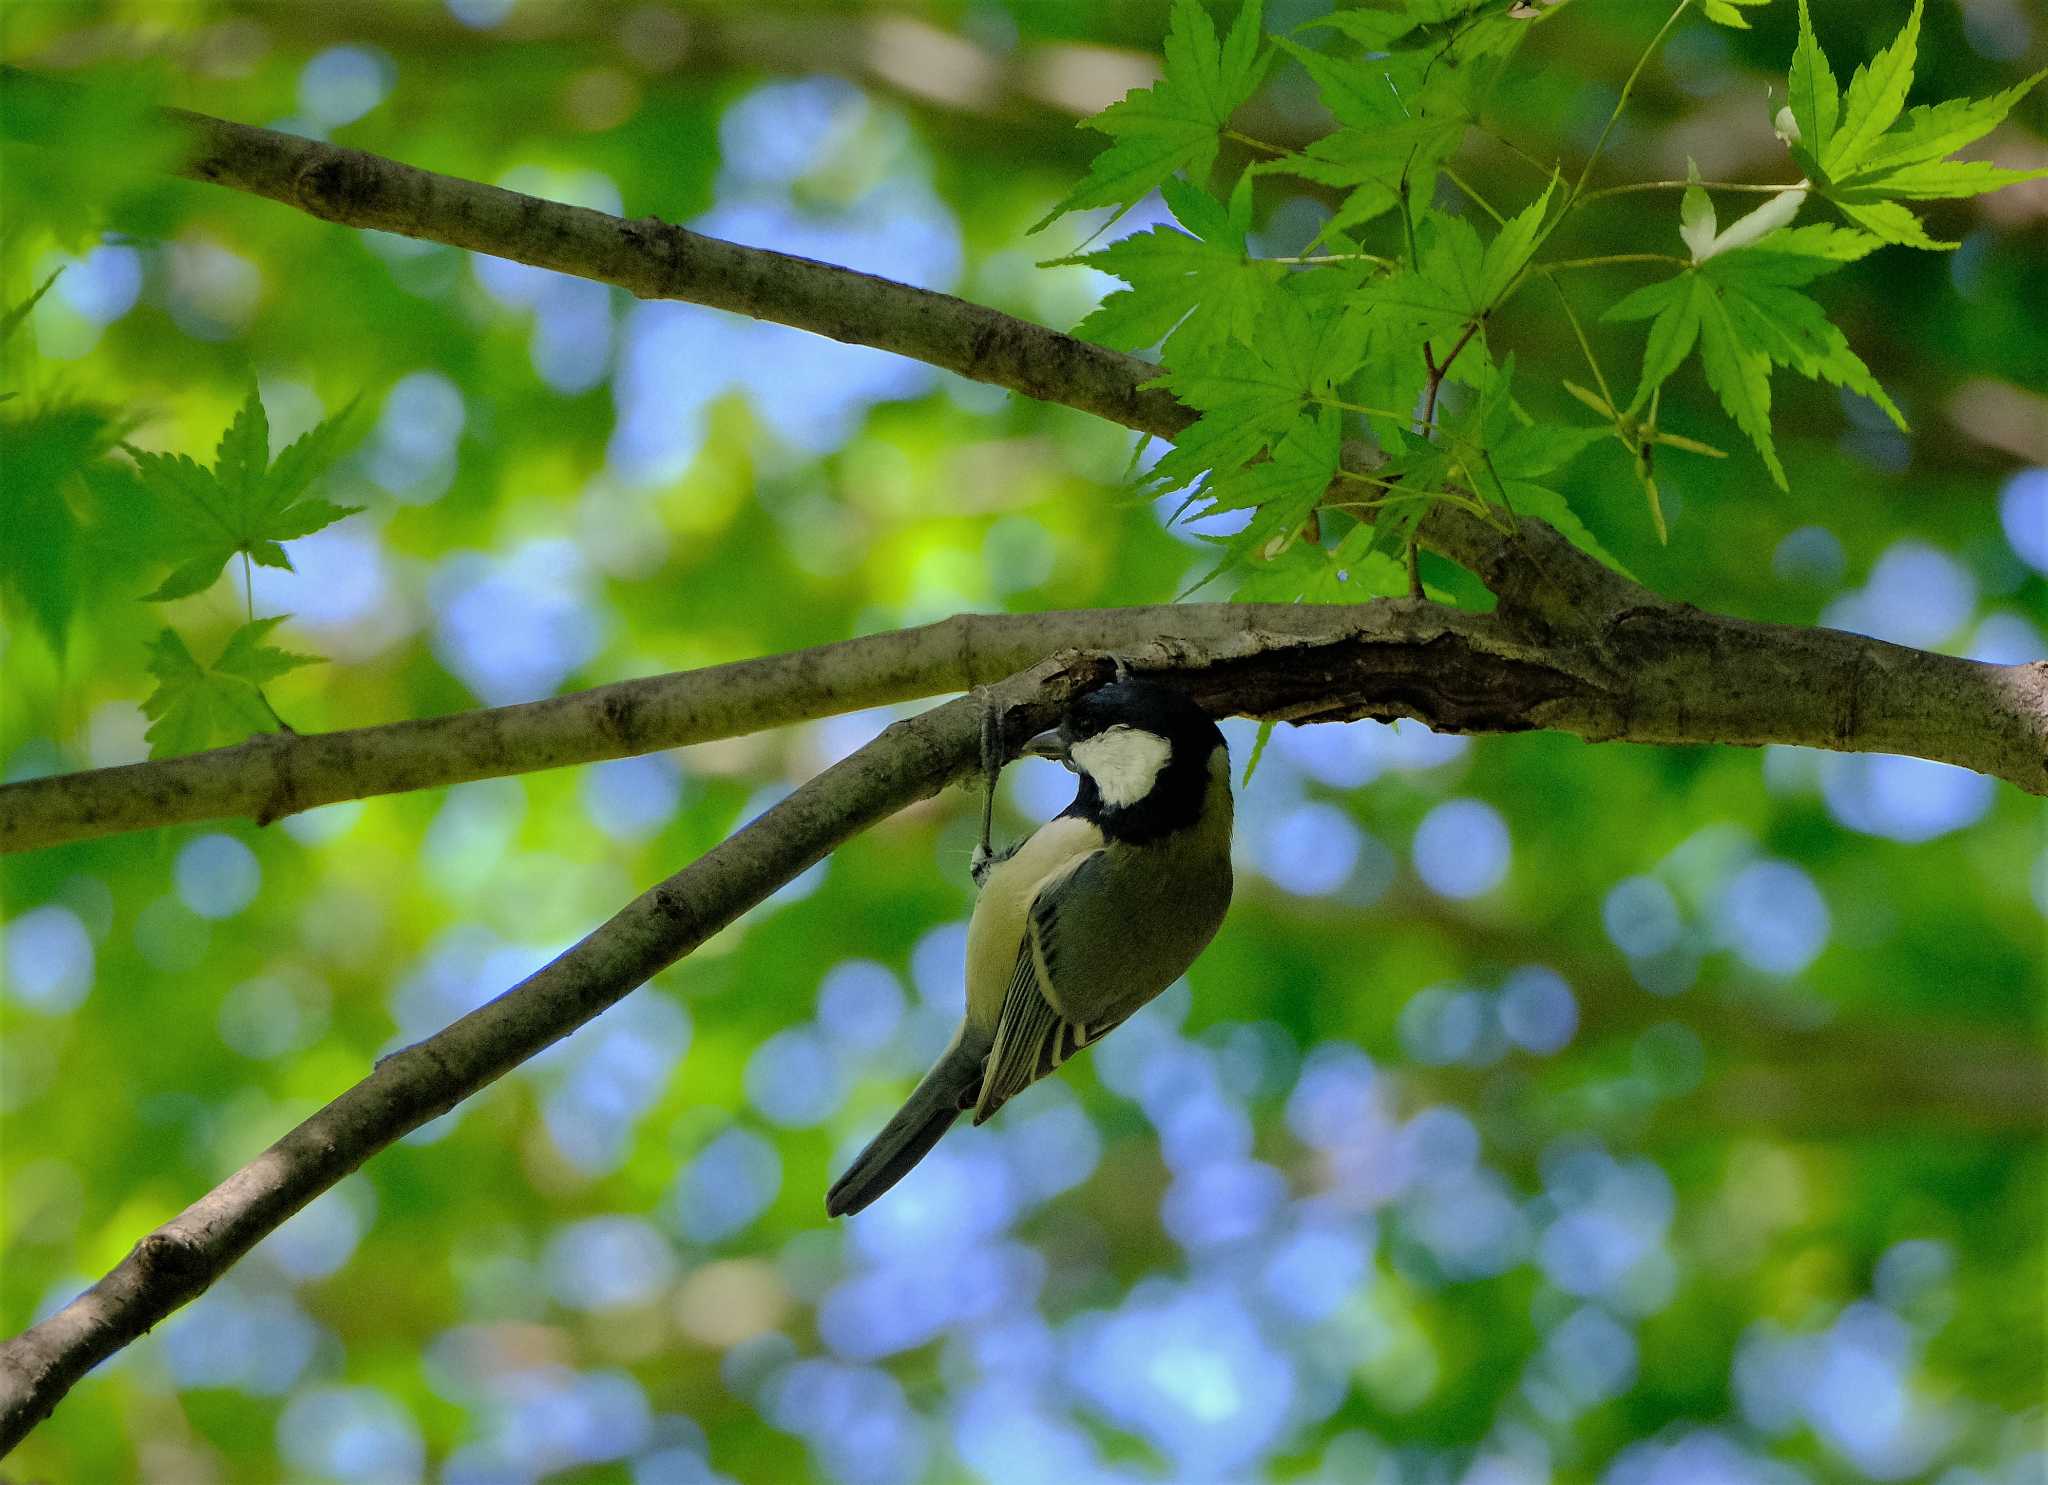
(908, 1137)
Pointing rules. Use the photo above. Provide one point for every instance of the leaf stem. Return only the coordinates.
(1628, 87)
(1680, 185)
(1397, 496)
(1309, 259)
(1592, 361)
(1257, 144)
(1516, 150)
(1360, 408)
(248, 589)
(1608, 259)
(1477, 200)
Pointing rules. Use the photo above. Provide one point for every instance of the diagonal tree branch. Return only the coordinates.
(653, 259)
(1661, 673)
(176, 1263)
(278, 774)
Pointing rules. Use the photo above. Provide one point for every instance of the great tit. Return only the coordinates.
(1098, 911)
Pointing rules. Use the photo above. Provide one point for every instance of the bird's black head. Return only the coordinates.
(1143, 752)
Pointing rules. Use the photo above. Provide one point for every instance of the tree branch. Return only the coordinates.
(173, 1265)
(1649, 673)
(653, 259)
(278, 774)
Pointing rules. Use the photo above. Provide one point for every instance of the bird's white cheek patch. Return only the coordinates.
(1124, 762)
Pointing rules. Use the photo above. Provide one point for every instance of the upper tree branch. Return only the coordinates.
(653, 259)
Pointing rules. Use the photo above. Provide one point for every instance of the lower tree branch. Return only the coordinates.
(173, 1265)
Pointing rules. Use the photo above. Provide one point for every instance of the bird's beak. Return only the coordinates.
(1047, 745)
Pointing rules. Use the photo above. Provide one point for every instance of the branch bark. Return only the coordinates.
(176, 1263)
(1651, 673)
(653, 259)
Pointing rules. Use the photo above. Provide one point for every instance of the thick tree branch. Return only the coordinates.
(176, 1263)
(279, 774)
(1657, 673)
(653, 259)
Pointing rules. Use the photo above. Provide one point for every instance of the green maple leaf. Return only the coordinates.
(1740, 375)
(1816, 99)
(1306, 572)
(1252, 393)
(1868, 153)
(91, 154)
(1376, 166)
(1373, 30)
(1299, 350)
(1932, 132)
(1743, 309)
(1303, 463)
(245, 504)
(1672, 307)
(1445, 289)
(1280, 491)
(1354, 569)
(1401, 113)
(47, 551)
(1173, 125)
(1520, 463)
(1508, 254)
(1200, 285)
(1758, 285)
(1876, 94)
(193, 704)
(11, 321)
(1726, 13)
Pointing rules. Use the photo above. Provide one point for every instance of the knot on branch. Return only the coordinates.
(171, 1256)
(338, 186)
(283, 798)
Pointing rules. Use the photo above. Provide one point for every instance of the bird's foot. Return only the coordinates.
(992, 761)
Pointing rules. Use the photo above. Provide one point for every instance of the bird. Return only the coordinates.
(1089, 918)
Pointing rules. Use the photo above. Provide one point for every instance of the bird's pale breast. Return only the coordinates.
(996, 930)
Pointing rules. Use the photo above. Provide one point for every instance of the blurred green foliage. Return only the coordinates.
(1759, 1197)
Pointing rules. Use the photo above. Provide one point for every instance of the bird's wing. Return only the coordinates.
(1032, 1038)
